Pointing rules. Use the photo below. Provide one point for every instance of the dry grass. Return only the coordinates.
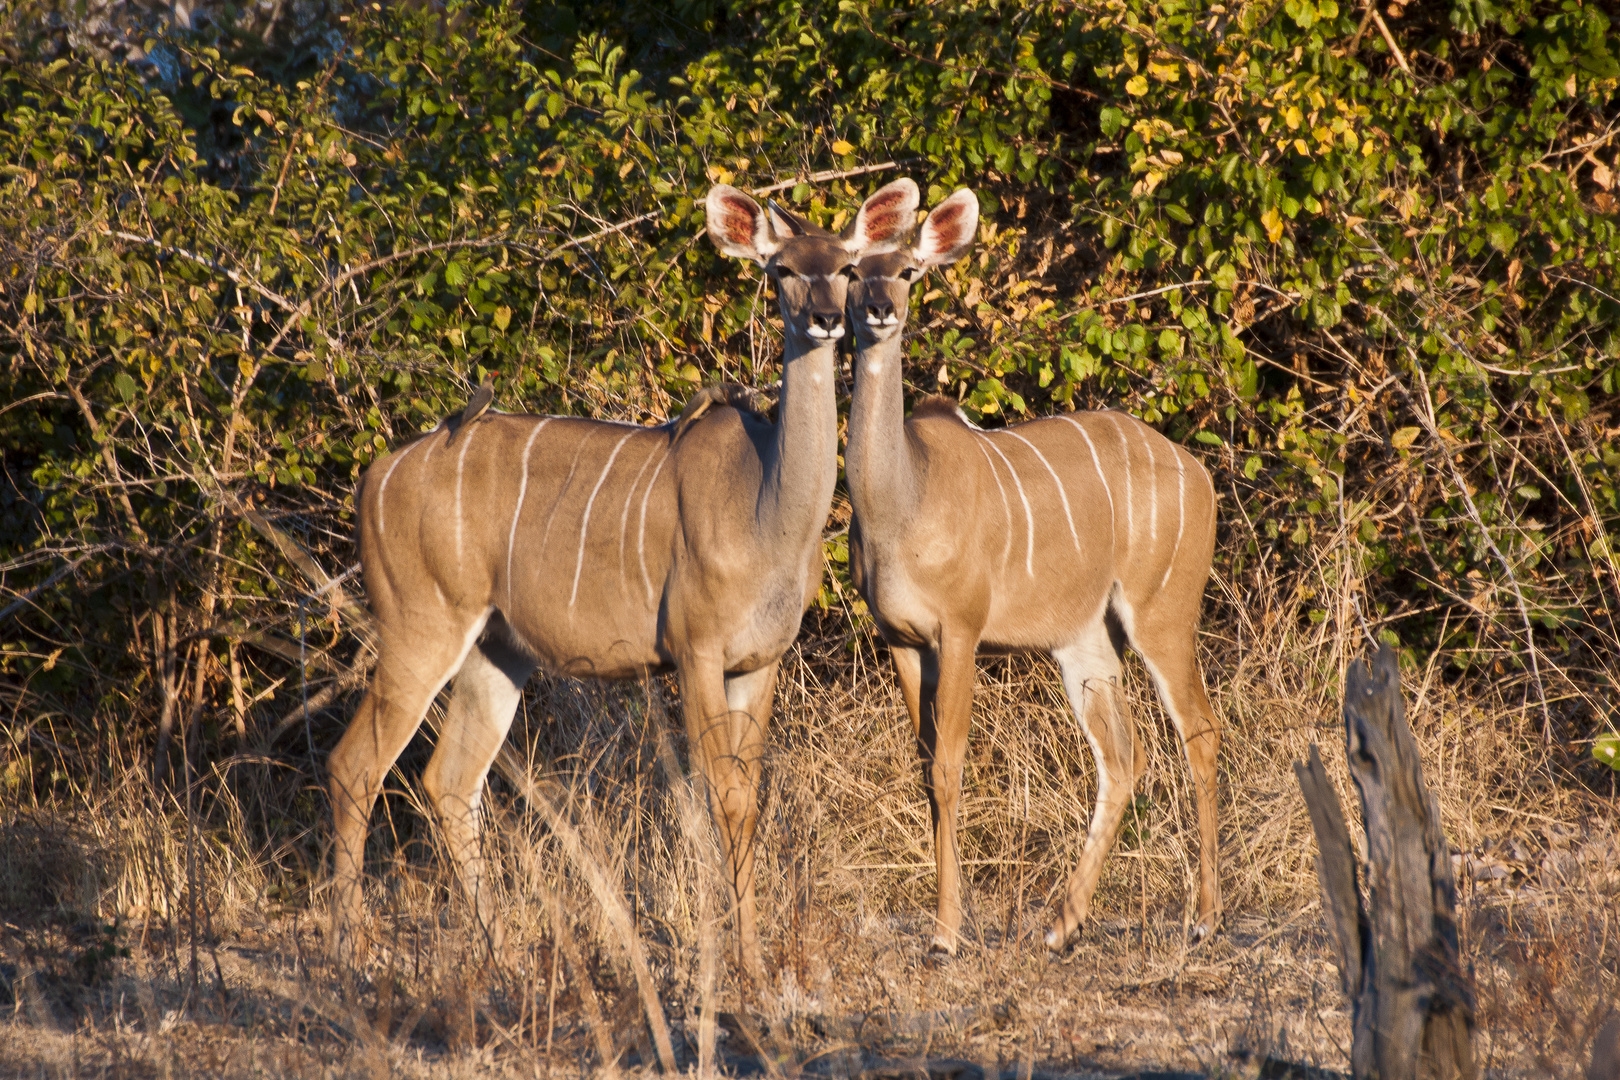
(613, 899)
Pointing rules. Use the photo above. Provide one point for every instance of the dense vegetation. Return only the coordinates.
(1362, 260)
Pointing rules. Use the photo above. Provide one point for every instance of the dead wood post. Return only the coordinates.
(1413, 1003)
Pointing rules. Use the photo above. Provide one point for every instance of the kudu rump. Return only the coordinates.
(592, 548)
(1070, 535)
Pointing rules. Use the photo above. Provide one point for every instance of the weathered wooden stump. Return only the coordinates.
(1413, 1002)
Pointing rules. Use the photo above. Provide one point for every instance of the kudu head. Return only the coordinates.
(880, 295)
(812, 267)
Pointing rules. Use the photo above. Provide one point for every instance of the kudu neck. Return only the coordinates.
(877, 461)
(799, 477)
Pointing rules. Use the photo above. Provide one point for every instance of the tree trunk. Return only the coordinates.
(1413, 1003)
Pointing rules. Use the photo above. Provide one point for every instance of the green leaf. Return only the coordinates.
(124, 385)
(1501, 235)
(1606, 749)
(1111, 119)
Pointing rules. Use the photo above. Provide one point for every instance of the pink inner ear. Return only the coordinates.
(737, 222)
(945, 230)
(881, 218)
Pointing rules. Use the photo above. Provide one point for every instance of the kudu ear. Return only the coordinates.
(785, 223)
(884, 220)
(949, 230)
(738, 226)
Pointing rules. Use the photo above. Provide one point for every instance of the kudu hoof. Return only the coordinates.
(1059, 943)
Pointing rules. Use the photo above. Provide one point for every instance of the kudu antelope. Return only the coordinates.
(1071, 535)
(593, 548)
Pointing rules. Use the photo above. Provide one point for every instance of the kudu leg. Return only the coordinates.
(916, 681)
(1091, 672)
(483, 701)
(726, 721)
(944, 716)
(1171, 655)
(408, 677)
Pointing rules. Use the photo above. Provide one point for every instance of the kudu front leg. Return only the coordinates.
(726, 722)
(943, 719)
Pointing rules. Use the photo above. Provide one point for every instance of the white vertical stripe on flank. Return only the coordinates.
(1006, 507)
(1096, 461)
(585, 519)
(382, 488)
(624, 515)
(1064, 495)
(1029, 518)
(641, 535)
(1153, 494)
(523, 490)
(1181, 513)
(1130, 492)
(461, 464)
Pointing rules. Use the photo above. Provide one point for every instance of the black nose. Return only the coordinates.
(827, 320)
(881, 312)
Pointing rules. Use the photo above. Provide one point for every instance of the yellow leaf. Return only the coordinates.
(1146, 185)
(1404, 438)
(1323, 135)
(1265, 124)
(1164, 72)
(841, 148)
(1299, 144)
(503, 317)
(1136, 86)
(721, 175)
(1272, 220)
(1293, 117)
(264, 114)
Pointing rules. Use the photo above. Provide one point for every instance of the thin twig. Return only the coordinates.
(836, 174)
(1389, 38)
(26, 598)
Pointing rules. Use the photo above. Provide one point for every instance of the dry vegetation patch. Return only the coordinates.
(110, 969)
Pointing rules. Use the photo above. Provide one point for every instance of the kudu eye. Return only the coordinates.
(784, 272)
(850, 273)
(908, 273)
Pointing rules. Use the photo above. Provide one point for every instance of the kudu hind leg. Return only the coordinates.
(1091, 676)
(410, 673)
(1167, 642)
(483, 701)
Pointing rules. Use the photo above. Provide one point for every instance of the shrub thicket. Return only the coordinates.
(1363, 261)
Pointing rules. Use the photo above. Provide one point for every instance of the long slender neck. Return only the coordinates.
(877, 461)
(803, 466)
